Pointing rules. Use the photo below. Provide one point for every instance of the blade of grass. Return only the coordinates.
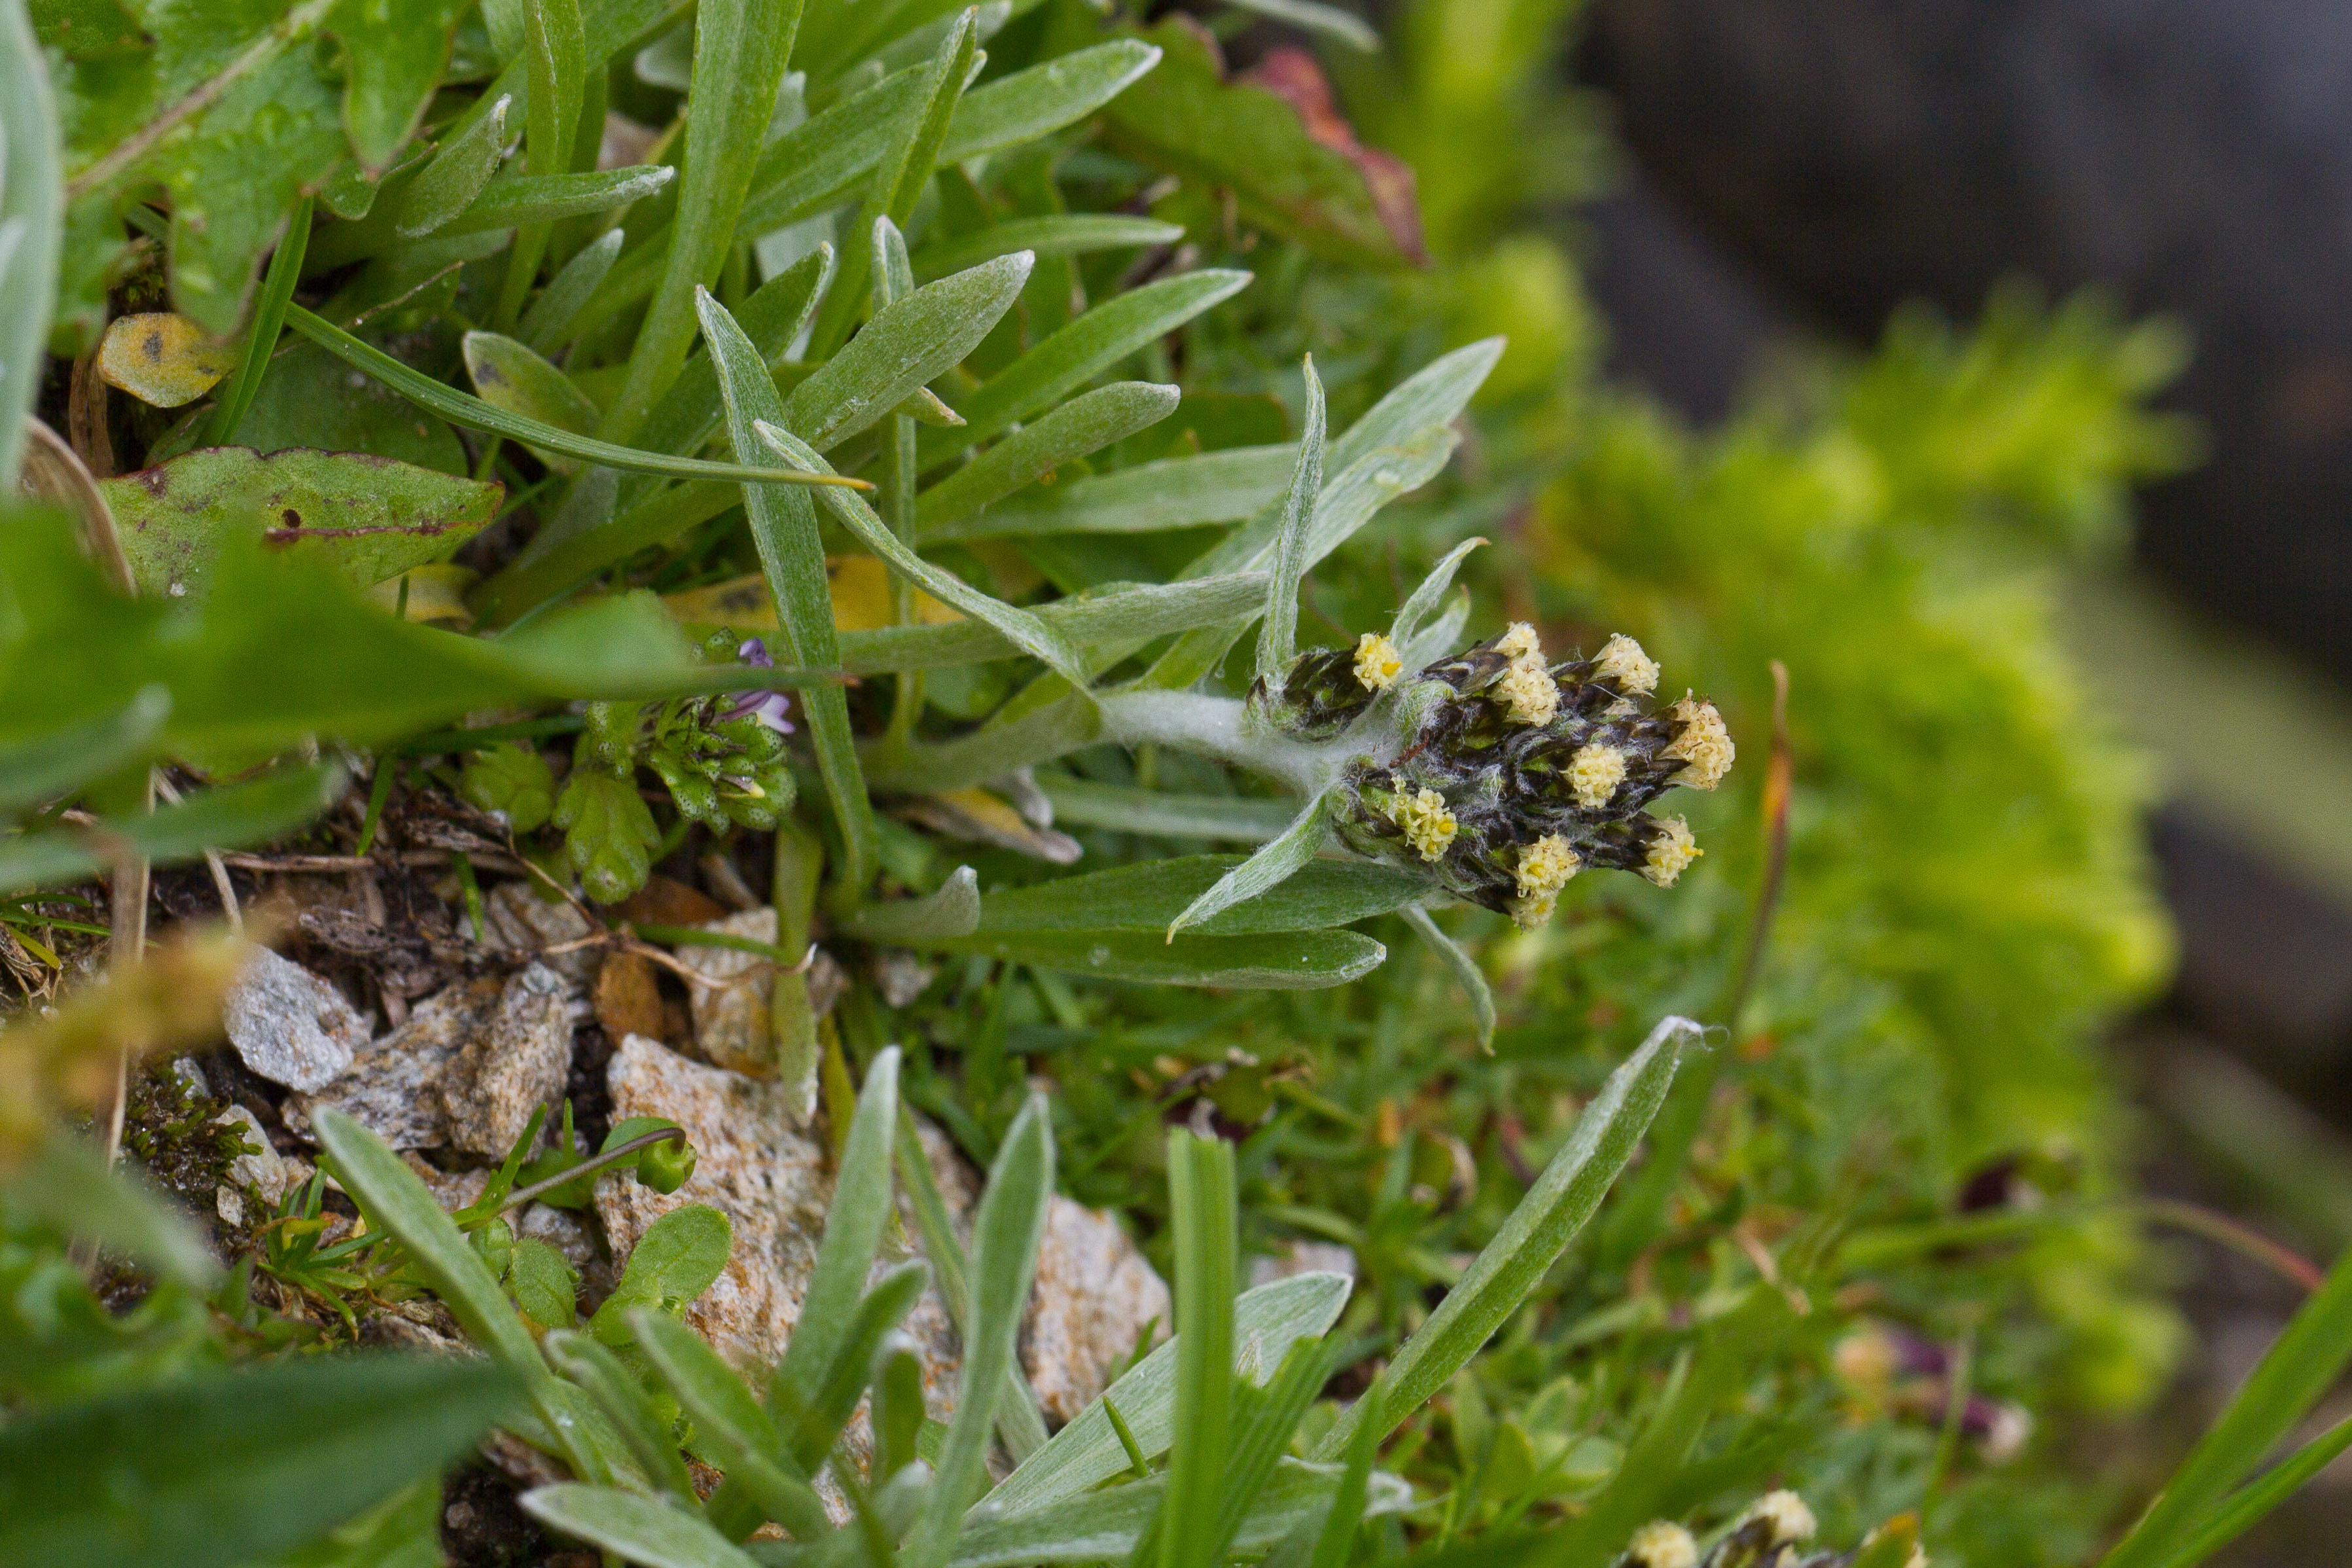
(461, 408)
(640, 1529)
(555, 57)
(740, 50)
(32, 222)
(261, 338)
(1202, 1209)
(726, 1416)
(1466, 972)
(2251, 1503)
(792, 552)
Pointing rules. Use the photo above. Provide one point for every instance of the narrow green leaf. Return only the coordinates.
(369, 517)
(618, 1394)
(1263, 1421)
(547, 325)
(1110, 1524)
(816, 1423)
(69, 1187)
(640, 1529)
(218, 1467)
(1030, 105)
(2250, 1505)
(1338, 1536)
(1466, 972)
(792, 552)
(1079, 803)
(1112, 616)
(1413, 616)
(528, 199)
(1022, 628)
(261, 336)
(1074, 355)
(1079, 428)
(854, 1224)
(2300, 1365)
(1007, 1226)
(729, 1422)
(1267, 1321)
(740, 48)
(45, 767)
(1148, 895)
(1283, 857)
(447, 186)
(1300, 960)
(953, 910)
(908, 344)
(1174, 492)
(1203, 1212)
(225, 817)
(555, 60)
(1062, 234)
(476, 415)
(507, 374)
(1537, 1231)
(1326, 21)
(1277, 642)
(32, 222)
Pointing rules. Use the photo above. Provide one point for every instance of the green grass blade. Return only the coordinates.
(2301, 1366)
(640, 1529)
(1074, 355)
(1466, 972)
(854, 1224)
(1022, 628)
(51, 763)
(1006, 1229)
(1203, 1212)
(729, 1422)
(476, 415)
(1262, 1424)
(555, 62)
(1537, 1231)
(2254, 1501)
(597, 1371)
(792, 552)
(740, 48)
(547, 199)
(219, 1468)
(1174, 492)
(1078, 429)
(1277, 863)
(1088, 622)
(261, 337)
(547, 325)
(32, 222)
(1074, 234)
(1277, 641)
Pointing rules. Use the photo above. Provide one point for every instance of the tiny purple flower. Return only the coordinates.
(768, 708)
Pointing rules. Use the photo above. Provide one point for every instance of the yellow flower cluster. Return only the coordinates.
(1671, 851)
(1704, 745)
(1543, 870)
(1428, 825)
(1594, 773)
(1661, 1544)
(1529, 693)
(1789, 1520)
(1623, 660)
(1378, 663)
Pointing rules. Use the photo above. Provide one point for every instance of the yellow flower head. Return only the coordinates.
(1545, 866)
(1621, 659)
(1661, 1544)
(1428, 825)
(1378, 663)
(1704, 745)
(1673, 850)
(1594, 773)
(1790, 1518)
(1519, 643)
(1529, 693)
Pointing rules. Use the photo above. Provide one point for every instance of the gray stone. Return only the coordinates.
(513, 1066)
(289, 1025)
(516, 919)
(393, 1087)
(1095, 1299)
(730, 998)
(267, 1172)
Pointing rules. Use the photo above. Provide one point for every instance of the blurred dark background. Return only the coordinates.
(1799, 168)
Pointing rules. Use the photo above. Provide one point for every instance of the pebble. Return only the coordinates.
(513, 1067)
(729, 999)
(1095, 1298)
(289, 1025)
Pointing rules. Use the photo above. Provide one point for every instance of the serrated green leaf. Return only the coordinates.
(219, 1467)
(1077, 353)
(368, 519)
(609, 832)
(1267, 1321)
(1078, 429)
(511, 780)
(1185, 118)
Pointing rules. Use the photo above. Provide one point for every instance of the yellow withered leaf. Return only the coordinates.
(163, 359)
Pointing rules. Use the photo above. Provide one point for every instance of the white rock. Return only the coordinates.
(515, 1065)
(289, 1025)
(1302, 1258)
(1095, 1298)
(393, 1087)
